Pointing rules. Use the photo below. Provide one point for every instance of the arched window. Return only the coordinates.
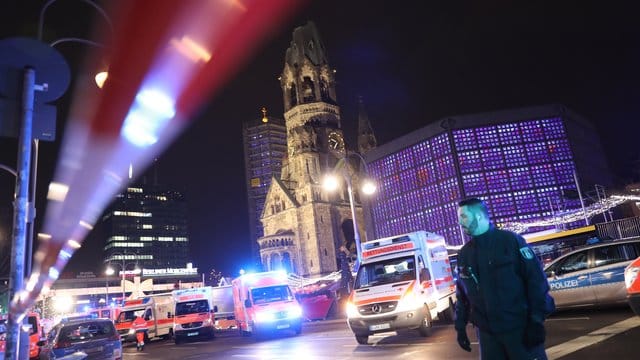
(307, 90)
(293, 95)
(276, 262)
(324, 90)
(286, 262)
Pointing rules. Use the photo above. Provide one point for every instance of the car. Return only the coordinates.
(632, 282)
(592, 275)
(97, 338)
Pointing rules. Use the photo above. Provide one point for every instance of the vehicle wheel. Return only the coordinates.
(298, 330)
(245, 333)
(362, 339)
(425, 327)
(177, 340)
(169, 336)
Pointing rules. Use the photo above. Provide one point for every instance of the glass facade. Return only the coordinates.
(147, 226)
(265, 145)
(519, 168)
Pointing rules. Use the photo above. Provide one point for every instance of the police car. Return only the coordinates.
(593, 275)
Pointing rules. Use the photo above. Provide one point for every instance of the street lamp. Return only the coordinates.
(368, 187)
(123, 267)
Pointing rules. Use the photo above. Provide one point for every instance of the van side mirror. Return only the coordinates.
(169, 315)
(247, 303)
(215, 309)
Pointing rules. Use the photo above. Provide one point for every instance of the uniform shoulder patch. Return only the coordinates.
(527, 253)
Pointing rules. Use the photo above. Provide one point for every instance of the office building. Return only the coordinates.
(265, 145)
(146, 226)
(522, 162)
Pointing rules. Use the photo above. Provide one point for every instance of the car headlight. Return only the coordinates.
(409, 302)
(132, 331)
(630, 275)
(265, 316)
(294, 312)
(352, 310)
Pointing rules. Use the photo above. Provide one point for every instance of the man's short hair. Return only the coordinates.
(475, 204)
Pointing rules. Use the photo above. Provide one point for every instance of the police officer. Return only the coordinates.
(501, 289)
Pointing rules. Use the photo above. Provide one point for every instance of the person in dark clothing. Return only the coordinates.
(501, 289)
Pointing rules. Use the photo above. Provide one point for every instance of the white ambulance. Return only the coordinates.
(263, 303)
(156, 309)
(404, 282)
(194, 313)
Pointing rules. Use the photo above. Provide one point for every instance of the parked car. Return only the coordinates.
(592, 275)
(97, 338)
(632, 282)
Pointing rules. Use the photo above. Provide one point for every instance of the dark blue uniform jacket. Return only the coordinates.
(501, 285)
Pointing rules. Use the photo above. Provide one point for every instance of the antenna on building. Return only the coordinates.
(265, 119)
(155, 171)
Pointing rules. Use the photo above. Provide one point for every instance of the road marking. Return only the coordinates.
(596, 336)
(569, 319)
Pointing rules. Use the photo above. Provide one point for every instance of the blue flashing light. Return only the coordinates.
(147, 118)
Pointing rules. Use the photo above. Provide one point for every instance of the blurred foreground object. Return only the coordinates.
(166, 58)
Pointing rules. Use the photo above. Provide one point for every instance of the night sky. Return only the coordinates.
(412, 64)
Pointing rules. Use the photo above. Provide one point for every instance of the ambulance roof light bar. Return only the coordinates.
(384, 242)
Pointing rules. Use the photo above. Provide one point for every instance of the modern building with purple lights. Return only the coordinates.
(520, 161)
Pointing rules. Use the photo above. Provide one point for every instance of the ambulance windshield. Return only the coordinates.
(270, 294)
(386, 272)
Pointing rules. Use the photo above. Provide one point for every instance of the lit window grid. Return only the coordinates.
(487, 136)
(509, 184)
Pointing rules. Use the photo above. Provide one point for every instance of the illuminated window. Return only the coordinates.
(147, 226)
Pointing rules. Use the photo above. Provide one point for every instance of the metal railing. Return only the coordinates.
(619, 229)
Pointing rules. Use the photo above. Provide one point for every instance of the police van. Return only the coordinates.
(404, 282)
(592, 275)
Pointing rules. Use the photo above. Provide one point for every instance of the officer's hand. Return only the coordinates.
(463, 340)
(534, 334)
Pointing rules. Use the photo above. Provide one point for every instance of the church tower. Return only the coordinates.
(304, 225)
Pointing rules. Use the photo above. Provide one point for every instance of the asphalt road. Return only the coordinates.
(579, 334)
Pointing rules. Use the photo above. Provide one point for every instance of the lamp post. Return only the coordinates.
(331, 183)
(123, 267)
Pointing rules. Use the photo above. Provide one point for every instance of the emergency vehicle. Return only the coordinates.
(157, 310)
(194, 313)
(632, 282)
(223, 300)
(36, 334)
(404, 282)
(263, 302)
(592, 275)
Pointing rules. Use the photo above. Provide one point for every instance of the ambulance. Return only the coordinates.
(223, 301)
(632, 282)
(404, 282)
(263, 302)
(194, 314)
(157, 310)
